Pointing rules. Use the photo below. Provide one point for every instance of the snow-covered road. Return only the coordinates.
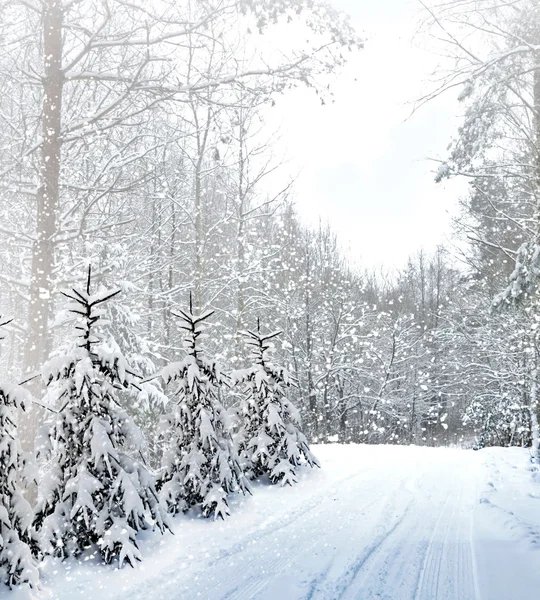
(394, 523)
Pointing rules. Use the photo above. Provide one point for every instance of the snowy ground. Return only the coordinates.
(376, 522)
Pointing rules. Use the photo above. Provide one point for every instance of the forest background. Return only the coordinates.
(137, 139)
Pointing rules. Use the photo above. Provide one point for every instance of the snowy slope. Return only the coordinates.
(376, 522)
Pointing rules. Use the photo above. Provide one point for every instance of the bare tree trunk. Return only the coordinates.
(48, 192)
(343, 417)
(312, 396)
(535, 430)
(171, 281)
(533, 407)
(327, 379)
(47, 200)
(155, 248)
(198, 237)
(240, 241)
(202, 139)
(536, 103)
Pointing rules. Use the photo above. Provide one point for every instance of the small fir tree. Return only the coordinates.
(269, 440)
(17, 566)
(200, 465)
(94, 494)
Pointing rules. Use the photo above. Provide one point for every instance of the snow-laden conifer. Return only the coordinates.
(200, 465)
(17, 566)
(269, 440)
(94, 493)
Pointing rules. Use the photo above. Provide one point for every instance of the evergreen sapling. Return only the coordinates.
(17, 566)
(270, 440)
(200, 465)
(94, 494)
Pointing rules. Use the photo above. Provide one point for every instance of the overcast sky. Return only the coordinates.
(365, 167)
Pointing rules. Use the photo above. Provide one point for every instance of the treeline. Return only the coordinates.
(414, 357)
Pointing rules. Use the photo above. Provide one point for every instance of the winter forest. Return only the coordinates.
(177, 340)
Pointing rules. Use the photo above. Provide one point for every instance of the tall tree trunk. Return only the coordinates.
(343, 416)
(47, 200)
(312, 395)
(535, 431)
(171, 280)
(202, 139)
(533, 407)
(240, 243)
(536, 104)
(199, 236)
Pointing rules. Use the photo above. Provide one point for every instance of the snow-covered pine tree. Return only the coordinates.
(200, 465)
(270, 441)
(94, 494)
(17, 565)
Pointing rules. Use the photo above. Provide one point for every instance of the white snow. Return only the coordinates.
(384, 522)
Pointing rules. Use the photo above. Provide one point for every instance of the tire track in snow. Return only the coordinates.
(418, 557)
(275, 568)
(291, 518)
(374, 564)
(474, 560)
(316, 581)
(432, 556)
(256, 583)
(448, 564)
(342, 584)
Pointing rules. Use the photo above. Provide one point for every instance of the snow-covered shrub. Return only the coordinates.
(499, 421)
(17, 566)
(93, 494)
(270, 440)
(200, 465)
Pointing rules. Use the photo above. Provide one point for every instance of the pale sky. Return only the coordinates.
(364, 168)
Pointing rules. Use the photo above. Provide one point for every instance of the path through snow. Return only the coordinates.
(376, 522)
